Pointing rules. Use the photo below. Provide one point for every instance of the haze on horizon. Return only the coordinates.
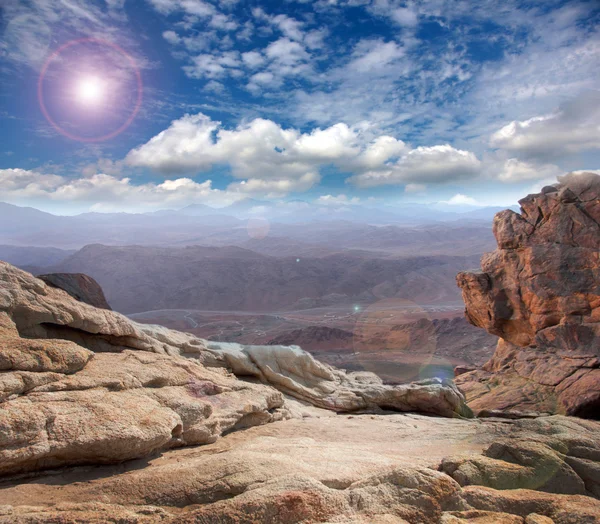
(123, 105)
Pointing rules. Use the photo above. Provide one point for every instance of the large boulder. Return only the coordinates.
(540, 292)
(81, 287)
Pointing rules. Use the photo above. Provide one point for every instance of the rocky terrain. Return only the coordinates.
(447, 337)
(106, 420)
(540, 292)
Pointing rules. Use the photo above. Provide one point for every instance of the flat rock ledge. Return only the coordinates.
(540, 292)
(339, 469)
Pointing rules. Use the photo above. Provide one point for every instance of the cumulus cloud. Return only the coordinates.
(573, 128)
(275, 188)
(109, 192)
(423, 165)
(23, 182)
(374, 56)
(263, 150)
(253, 59)
(514, 170)
(257, 149)
(460, 200)
(213, 66)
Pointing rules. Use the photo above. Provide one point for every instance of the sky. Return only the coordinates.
(139, 105)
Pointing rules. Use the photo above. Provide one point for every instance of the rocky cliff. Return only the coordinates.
(540, 292)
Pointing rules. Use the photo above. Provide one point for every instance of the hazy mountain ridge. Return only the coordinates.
(353, 227)
(138, 278)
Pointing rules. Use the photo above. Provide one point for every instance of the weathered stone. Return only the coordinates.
(330, 468)
(540, 292)
(38, 311)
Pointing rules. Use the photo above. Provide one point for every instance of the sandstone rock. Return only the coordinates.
(42, 312)
(327, 468)
(124, 406)
(298, 374)
(81, 287)
(540, 292)
(82, 385)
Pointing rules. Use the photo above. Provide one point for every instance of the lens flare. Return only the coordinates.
(89, 90)
(101, 78)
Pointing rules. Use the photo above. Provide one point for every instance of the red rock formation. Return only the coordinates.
(540, 292)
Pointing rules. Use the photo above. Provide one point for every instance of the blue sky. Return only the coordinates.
(336, 101)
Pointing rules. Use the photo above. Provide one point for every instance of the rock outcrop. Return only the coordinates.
(540, 292)
(85, 385)
(81, 287)
(82, 390)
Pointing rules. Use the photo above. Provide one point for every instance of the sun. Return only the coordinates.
(89, 90)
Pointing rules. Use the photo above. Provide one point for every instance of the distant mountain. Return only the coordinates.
(27, 256)
(142, 278)
(315, 337)
(452, 338)
(410, 229)
(15, 219)
(197, 210)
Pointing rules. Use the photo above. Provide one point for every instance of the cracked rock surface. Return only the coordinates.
(540, 292)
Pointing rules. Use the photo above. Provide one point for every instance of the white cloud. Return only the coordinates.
(286, 52)
(172, 37)
(415, 188)
(340, 199)
(263, 150)
(423, 165)
(214, 87)
(31, 30)
(514, 170)
(277, 187)
(405, 16)
(253, 59)
(374, 56)
(460, 200)
(24, 182)
(260, 81)
(107, 192)
(213, 66)
(197, 8)
(573, 128)
(289, 27)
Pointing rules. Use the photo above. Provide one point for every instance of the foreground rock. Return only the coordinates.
(338, 468)
(540, 292)
(79, 286)
(85, 385)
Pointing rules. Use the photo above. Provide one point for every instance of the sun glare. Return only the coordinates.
(90, 90)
